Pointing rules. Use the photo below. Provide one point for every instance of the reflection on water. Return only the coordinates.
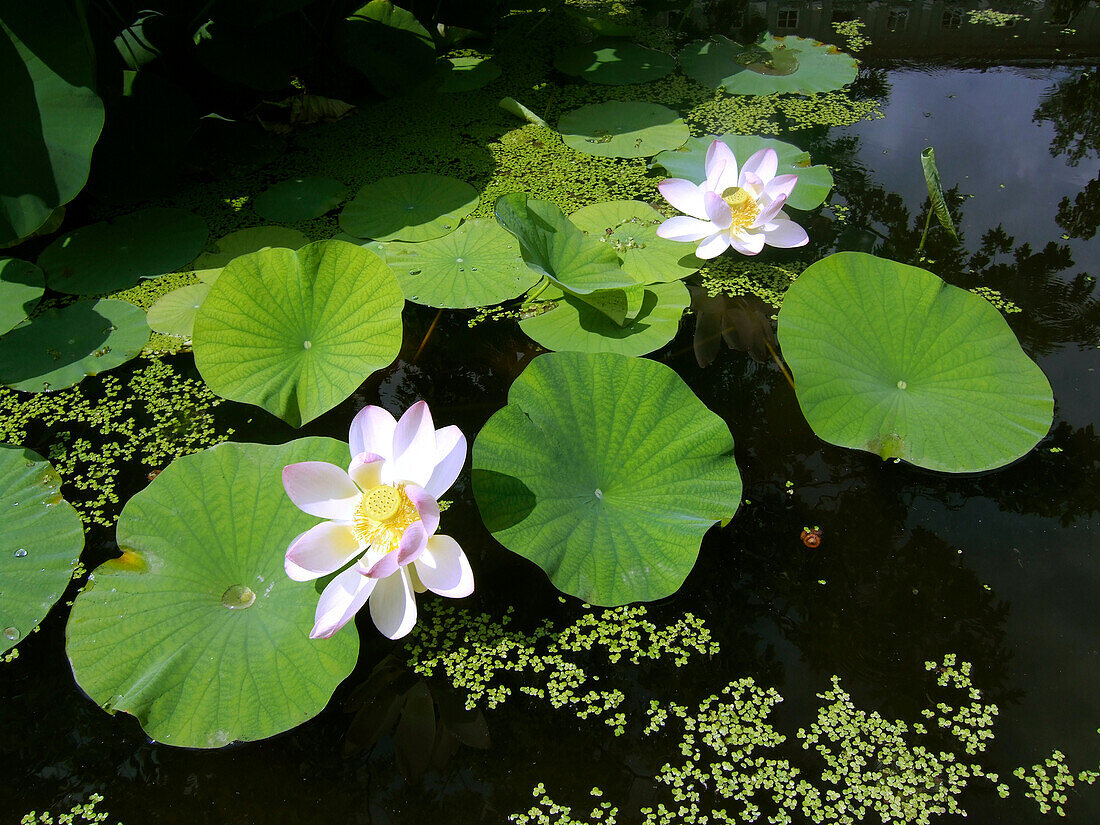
(998, 568)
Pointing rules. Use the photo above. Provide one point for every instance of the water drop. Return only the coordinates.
(307, 344)
(20, 553)
(599, 493)
(458, 260)
(902, 385)
(11, 634)
(414, 271)
(238, 597)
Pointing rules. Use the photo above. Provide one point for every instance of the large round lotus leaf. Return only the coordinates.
(40, 542)
(614, 62)
(195, 629)
(623, 130)
(576, 326)
(814, 182)
(890, 359)
(21, 286)
(630, 228)
(174, 312)
(299, 199)
(605, 471)
(297, 332)
(113, 255)
(416, 207)
(464, 74)
(244, 241)
(58, 347)
(50, 113)
(477, 265)
(794, 65)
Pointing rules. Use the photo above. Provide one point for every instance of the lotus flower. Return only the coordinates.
(743, 210)
(382, 515)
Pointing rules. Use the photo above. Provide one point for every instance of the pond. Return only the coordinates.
(866, 640)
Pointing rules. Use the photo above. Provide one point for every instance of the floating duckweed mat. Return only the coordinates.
(614, 62)
(790, 65)
(40, 542)
(623, 129)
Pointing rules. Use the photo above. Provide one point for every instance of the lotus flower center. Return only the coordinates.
(742, 206)
(382, 516)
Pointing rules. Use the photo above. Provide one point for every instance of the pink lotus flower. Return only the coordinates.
(382, 514)
(743, 210)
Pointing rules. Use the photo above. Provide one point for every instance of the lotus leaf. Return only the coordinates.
(477, 265)
(630, 228)
(814, 182)
(244, 241)
(21, 286)
(40, 542)
(890, 359)
(623, 130)
(605, 471)
(195, 629)
(614, 62)
(464, 74)
(113, 255)
(417, 207)
(174, 312)
(297, 332)
(299, 199)
(59, 347)
(795, 65)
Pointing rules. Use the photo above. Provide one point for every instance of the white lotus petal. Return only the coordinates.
(321, 489)
(413, 447)
(786, 235)
(366, 470)
(683, 228)
(684, 195)
(713, 246)
(718, 211)
(372, 432)
(720, 163)
(320, 550)
(393, 605)
(444, 568)
(342, 599)
(761, 167)
(450, 455)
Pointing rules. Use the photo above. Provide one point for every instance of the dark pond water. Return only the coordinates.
(1001, 568)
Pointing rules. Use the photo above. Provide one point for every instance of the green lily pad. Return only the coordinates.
(605, 471)
(40, 542)
(630, 228)
(195, 629)
(814, 182)
(59, 347)
(794, 65)
(113, 255)
(614, 62)
(21, 287)
(477, 265)
(623, 130)
(890, 359)
(554, 247)
(51, 114)
(174, 312)
(297, 332)
(578, 327)
(465, 74)
(416, 207)
(299, 199)
(244, 241)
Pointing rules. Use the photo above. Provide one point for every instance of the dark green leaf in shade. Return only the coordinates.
(605, 471)
(59, 347)
(465, 74)
(614, 62)
(390, 47)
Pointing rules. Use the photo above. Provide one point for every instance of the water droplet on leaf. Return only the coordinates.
(238, 597)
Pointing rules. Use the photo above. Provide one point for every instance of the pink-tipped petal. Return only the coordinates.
(321, 489)
(366, 470)
(444, 568)
(393, 605)
(749, 243)
(720, 163)
(450, 455)
(713, 246)
(342, 599)
(372, 432)
(412, 544)
(320, 550)
(780, 187)
(426, 507)
(761, 166)
(385, 566)
(413, 447)
(718, 211)
(684, 195)
(768, 213)
(786, 235)
(683, 228)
